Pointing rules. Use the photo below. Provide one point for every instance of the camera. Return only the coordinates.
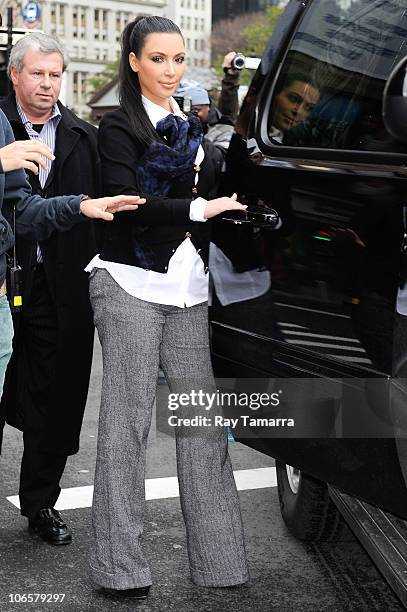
(184, 102)
(240, 61)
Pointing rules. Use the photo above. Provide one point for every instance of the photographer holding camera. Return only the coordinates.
(218, 122)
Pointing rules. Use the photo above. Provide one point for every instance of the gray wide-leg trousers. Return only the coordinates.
(137, 337)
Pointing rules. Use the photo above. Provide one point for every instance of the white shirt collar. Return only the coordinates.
(56, 114)
(156, 112)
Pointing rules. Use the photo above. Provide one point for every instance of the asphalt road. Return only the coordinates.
(286, 575)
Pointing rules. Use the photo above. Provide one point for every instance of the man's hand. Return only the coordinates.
(27, 154)
(220, 205)
(227, 63)
(103, 208)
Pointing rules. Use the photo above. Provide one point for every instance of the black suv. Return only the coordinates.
(309, 288)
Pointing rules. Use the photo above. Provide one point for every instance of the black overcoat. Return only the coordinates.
(76, 170)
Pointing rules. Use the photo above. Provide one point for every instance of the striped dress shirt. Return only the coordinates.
(48, 136)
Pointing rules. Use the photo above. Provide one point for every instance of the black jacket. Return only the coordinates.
(160, 225)
(75, 170)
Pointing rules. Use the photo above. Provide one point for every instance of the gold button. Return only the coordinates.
(197, 168)
(194, 190)
(188, 235)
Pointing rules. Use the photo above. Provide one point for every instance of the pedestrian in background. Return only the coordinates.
(48, 376)
(149, 291)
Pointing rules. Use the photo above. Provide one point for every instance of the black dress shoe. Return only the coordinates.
(50, 527)
(138, 593)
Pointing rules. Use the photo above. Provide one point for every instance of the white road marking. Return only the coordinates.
(323, 336)
(330, 314)
(161, 488)
(353, 349)
(352, 359)
(283, 324)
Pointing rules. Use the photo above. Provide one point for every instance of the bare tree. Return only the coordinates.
(227, 34)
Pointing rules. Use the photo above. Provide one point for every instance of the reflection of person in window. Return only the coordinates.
(293, 104)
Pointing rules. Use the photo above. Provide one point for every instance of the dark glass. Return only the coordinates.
(329, 93)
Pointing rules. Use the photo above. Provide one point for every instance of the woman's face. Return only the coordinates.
(160, 67)
(294, 104)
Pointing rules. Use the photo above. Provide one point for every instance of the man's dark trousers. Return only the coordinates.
(40, 471)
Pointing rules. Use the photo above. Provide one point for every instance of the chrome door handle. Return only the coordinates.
(268, 219)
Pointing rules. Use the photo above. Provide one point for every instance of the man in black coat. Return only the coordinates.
(47, 379)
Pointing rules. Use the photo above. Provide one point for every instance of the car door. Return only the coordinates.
(318, 294)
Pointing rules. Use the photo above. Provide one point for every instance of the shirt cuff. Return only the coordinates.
(197, 209)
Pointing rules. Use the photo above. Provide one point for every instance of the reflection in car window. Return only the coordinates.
(329, 93)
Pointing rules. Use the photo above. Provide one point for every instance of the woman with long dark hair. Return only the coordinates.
(149, 289)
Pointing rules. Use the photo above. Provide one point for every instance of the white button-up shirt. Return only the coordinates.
(185, 282)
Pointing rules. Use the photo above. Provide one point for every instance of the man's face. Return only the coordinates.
(38, 84)
(201, 111)
(294, 104)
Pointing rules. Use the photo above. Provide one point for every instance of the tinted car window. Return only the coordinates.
(329, 92)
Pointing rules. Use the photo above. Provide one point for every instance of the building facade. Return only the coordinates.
(90, 31)
(194, 17)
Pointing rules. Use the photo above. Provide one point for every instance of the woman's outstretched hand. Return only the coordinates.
(220, 205)
(103, 208)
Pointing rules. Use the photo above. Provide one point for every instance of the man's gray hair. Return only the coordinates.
(37, 42)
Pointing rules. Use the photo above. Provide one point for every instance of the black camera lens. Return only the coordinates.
(238, 62)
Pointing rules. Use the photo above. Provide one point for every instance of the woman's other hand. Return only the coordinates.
(103, 208)
(27, 154)
(220, 205)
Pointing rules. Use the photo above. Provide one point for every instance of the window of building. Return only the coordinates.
(80, 86)
(84, 85)
(100, 20)
(75, 81)
(196, 44)
(188, 23)
(196, 23)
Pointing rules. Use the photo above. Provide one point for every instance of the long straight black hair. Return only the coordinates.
(133, 40)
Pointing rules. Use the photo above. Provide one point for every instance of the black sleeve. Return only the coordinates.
(229, 99)
(119, 155)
